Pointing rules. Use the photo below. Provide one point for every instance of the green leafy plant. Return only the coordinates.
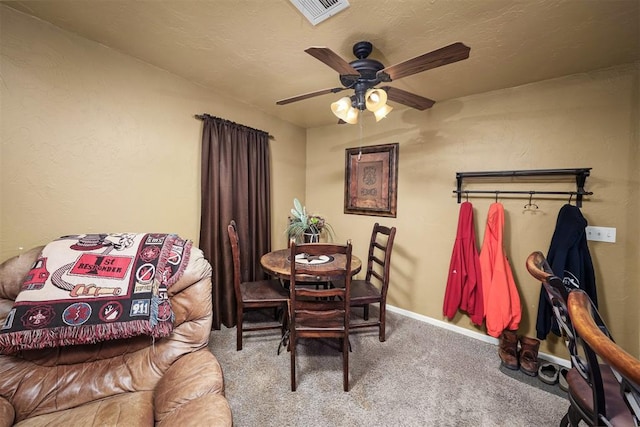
(300, 222)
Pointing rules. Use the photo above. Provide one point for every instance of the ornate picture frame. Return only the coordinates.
(371, 180)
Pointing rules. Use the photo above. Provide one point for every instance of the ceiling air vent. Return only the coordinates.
(317, 11)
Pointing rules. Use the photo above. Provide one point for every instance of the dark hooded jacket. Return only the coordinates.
(569, 258)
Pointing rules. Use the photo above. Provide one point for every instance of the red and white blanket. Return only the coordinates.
(95, 287)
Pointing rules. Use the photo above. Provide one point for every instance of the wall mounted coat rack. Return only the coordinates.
(580, 174)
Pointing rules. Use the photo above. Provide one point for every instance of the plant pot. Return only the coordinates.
(312, 237)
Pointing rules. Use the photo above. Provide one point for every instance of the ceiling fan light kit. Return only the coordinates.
(364, 74)
(347, 108)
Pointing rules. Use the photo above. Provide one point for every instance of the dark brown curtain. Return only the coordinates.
(235, 185)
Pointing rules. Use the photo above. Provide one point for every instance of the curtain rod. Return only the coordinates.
(209, 116)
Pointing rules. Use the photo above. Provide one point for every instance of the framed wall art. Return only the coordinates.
(371, 180)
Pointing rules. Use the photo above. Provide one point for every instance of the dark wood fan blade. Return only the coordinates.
(443, 56)
(333, 60)
(407, 98)
(310, 95)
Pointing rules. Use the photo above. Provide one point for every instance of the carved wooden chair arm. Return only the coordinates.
(582, 313)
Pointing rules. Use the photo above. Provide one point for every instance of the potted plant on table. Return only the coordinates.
(304, 227)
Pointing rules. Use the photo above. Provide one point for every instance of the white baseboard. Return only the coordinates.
(473, 334)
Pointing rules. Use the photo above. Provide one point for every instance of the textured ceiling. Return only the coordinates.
(253, 50)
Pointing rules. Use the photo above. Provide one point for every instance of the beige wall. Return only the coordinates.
(94, 141)
(586, 120)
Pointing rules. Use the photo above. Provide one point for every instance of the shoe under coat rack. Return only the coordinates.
(580, 174)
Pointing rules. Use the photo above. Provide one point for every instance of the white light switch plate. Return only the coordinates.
(601, 234)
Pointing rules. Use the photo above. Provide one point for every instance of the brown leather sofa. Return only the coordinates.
(174, 381)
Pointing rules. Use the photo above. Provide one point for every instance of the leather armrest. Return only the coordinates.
(210, 410)
(192, 389)
(7, 413)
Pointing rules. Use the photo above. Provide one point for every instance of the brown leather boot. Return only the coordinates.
(508, 350)
(529, 355)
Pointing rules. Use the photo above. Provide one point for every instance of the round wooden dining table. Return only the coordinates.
(277, 264)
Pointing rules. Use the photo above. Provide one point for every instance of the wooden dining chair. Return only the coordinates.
(259, 294)
(319, 312)
(373, 288)
(593, 390)
(599, 346)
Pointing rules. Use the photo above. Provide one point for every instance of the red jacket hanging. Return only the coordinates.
(501, 299)
(464, 285)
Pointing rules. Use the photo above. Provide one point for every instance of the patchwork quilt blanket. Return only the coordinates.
(95, 287)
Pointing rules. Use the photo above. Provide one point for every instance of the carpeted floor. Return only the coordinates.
(422, 375)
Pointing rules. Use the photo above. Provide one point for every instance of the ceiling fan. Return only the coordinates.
(364, 73)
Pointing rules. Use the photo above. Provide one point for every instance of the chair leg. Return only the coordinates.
(573, 417)
(284, 342)
(284, 338)
(285, 320)
(383, 320)
(365, 315)
(345, 362)
(239, 331)
(292, 347)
